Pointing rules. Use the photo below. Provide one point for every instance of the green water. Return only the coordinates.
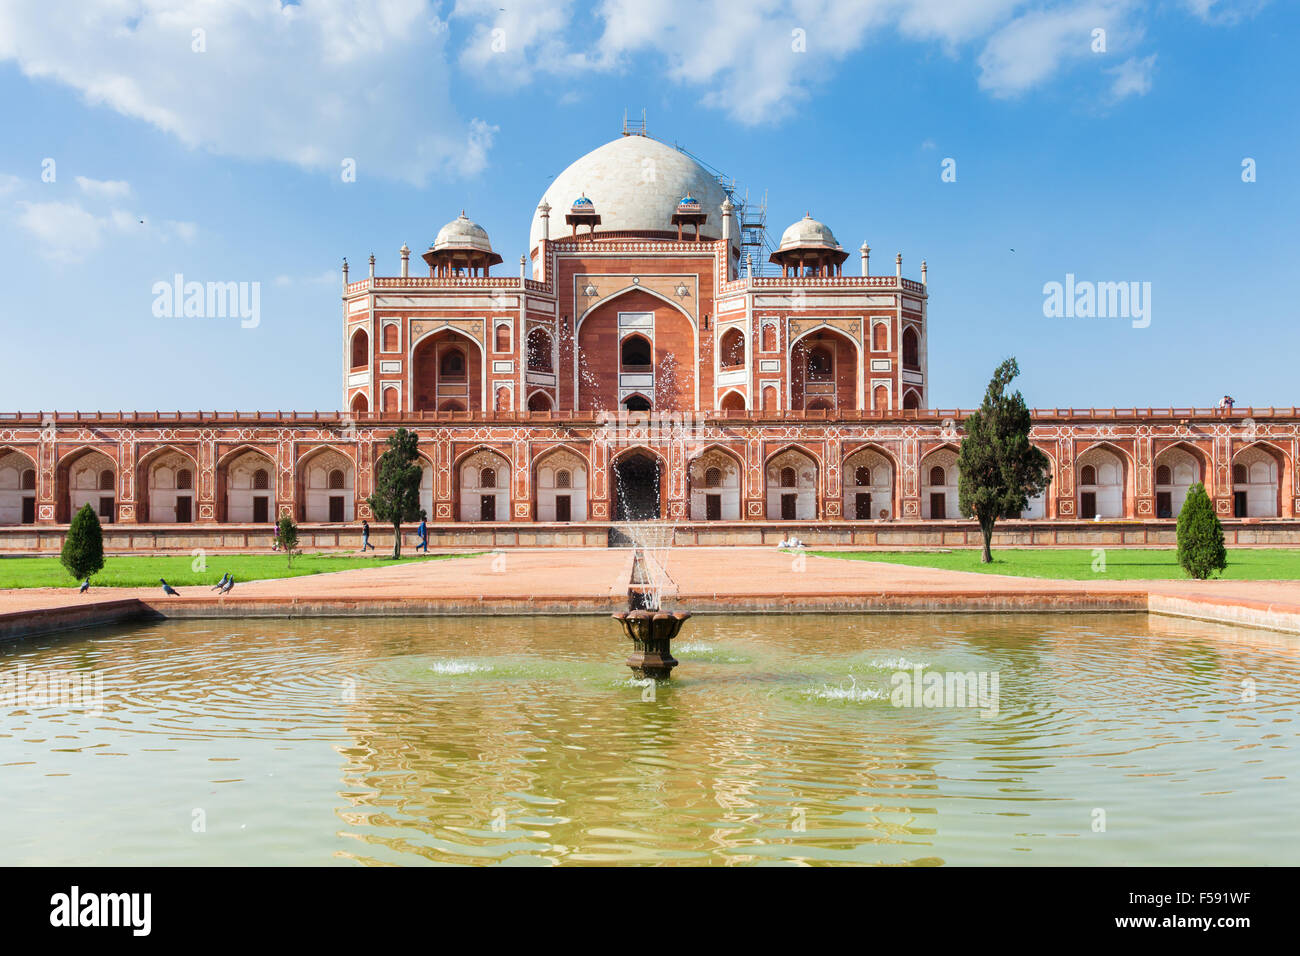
(523, 741)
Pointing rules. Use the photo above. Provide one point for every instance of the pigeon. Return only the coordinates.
(229, 584)
(168, 589)
(85, 586)
(222, 583)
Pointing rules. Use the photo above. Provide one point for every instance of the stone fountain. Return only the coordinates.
(649, 628)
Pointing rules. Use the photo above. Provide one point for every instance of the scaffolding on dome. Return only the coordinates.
(752, 216)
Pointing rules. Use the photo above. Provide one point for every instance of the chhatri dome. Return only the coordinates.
(636, 184)
(461, 244)
(809, 244)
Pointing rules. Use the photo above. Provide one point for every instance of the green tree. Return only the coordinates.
(397, 485)
(1200, 535)
(83, 548)
(287, 535)
(999, 469)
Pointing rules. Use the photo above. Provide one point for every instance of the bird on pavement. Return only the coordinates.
(229, 584)
(168, 589)
(85, 586)
(222, 583)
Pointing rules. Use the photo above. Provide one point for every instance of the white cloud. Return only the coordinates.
(63, 231)
(68, 232)
(1224, 12)
(9, 183)
(313, 83)
(760, 59)
(104, 188)
(1034, 46)
(1133, 77)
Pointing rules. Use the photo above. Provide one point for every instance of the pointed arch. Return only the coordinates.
(237, 491)
(876, 497)
(159, 499)
(318, 496)
(621, 292)
(483, 477)
(70, 493)
(1107, 496)
(733, 400)
(797, 500)
(557, 499)
(1267, 487)
(718, 500)
(17, 485)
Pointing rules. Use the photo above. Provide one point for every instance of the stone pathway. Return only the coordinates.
(554, 580)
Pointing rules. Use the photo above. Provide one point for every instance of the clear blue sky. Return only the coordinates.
(1122, 165)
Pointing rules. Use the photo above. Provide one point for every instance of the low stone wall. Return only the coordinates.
(889, 535)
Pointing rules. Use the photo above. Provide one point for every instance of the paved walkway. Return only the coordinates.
(552, 580)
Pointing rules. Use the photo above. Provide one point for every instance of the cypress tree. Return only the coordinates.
(397, 485)
(83, 548)
(999, 469)
(1200, 535)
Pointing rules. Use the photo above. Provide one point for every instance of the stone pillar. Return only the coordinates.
(898, 266)
(754, 501)
(832, 493)
(406, 260)
(206, 510)
(372, 266)
(126, 498)
(46, 506)
(923, 280)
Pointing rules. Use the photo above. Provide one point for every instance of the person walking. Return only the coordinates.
(365, 536)
(275, 536)
(422, 533)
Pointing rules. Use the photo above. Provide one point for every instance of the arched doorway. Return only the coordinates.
(715, 486)
(636, 490)
(17, 488)
(791, 486)
(824, 371)
(1101, 484)
(939, 476)
(868, 486)
(1177, 469)
(447, 373)
(249, 481)
(484, 487)
(87, 477)
(326, 488)
(561, 486)
(166, 488)
(1255, 484)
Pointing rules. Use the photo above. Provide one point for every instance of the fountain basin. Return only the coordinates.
(651, 634)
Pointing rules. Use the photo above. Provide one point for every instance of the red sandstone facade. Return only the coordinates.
(636, 353)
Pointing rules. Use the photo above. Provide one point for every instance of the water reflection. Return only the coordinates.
(522, 741)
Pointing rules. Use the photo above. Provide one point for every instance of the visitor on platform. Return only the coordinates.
(1226, 403)
(275, 536)
(365, 536)
(422, 533)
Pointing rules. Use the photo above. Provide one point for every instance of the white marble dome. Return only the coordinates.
(462, 233)
(808, 233)
(635, 184)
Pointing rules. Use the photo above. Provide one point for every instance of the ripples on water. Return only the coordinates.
(524, 741)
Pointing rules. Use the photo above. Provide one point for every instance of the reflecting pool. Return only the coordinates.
(1117, 739)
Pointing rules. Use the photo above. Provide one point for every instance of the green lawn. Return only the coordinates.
(130, 571)
(1121, 564)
